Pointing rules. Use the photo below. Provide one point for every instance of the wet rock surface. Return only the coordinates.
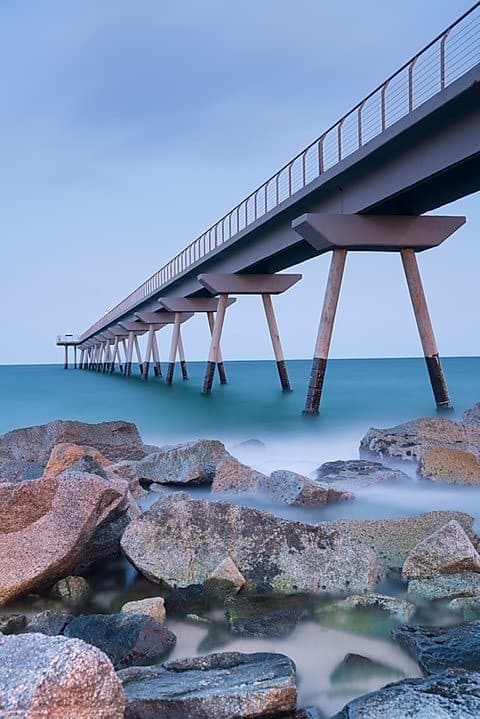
(57, 678)
(439, 648)
(126, 638)
(13, 623)
(469, 607)
(216, 686)
(452, 694)
(446, 551)
(233, 476)
(189, 463)
(50, 622)
(71, 589)
(357, 668)
(357, 473)
(446, 586)
(397, 607)
(264, 615)
(180, 542)
(49, 526)
(292, 488)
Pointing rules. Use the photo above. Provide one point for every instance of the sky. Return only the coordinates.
(127, 127)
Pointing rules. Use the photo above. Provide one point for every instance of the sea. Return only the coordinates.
(358, 394)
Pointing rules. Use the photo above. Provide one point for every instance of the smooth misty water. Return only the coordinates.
(358, 394)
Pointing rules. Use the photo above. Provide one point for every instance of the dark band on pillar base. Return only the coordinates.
(128, 369)
(221, 373)
(112, 367)
(315, 386)
(208, 380)
(170, 370)
(157, 370)
(437, 379)
(183, 365)
(146, 367)
(140, 368)
(283, 374)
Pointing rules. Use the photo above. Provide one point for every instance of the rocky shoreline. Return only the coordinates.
(76, 497)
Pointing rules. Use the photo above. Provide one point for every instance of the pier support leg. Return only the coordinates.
(139, 355)
(181, 356)
(148, 352)
(114, 355)
(75, 365)
(277, 345)
(128, 360)
(325, 329)
(215, 344)
(173, 350)
(157, 368)
(222, 375)
(425, 329)
(82, 355)
(65, 364)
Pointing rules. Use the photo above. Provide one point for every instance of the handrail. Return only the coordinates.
(446, 58)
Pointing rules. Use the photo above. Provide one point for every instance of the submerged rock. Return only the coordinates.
(396, 607)
(216, 686)
(357, 473)
(50, 622)
(446, 586)
(292, 488)
(181, 542)
(355, 667)
(57, 678)
(264, 615)
(71, 589)
(233, 476)
(446, 551)
(24, 453)
(393, 539)
(189, 463)
(468, 606)
(452, 694)
(126, 638)
(152, 607)
(438, 448)
(13, 623)
(439, 648)
(49, 526)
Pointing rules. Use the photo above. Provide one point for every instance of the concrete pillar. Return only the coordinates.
(173, 349)
(114, 355)
(277, 345)
(220, 366)
(157, 368)
(124, 347)
(65, 364)
(181, 355)
(325, 329)
(75, 366)
(128, 358)
(148, 352)
(425, 329)
(215, 344)
(139, 354)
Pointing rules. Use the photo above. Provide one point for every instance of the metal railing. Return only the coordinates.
(446, 58)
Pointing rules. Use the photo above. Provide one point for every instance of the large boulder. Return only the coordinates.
(49, 622)
(453, 694)
(354, 474)
(446, 586)
(393, 539)
(57, 678)
(446, 551)
(439, 648)
(292, 488)
(472, 415)
(438, 448)
(151, 606)
(48, 527)
(189, 463)
(216, 686)
(68, 456)
(24, 453)
(181, 541)
(233, 476)
(126, 638)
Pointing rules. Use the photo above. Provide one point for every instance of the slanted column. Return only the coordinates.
(157, 368)
(220, 366)
(65, 364)
(215, 344)
(325, 330)
(425, 329)
(173, 349)
(114, 355)
(181, 355)
(139, 354)
(125, 353)
(82, 355)
(75, 357)
(148, 352)
(277, 345)
(107, 358)
(128, 359)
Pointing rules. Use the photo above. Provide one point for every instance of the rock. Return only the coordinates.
(264, 615)
(393, 539)
(472, 415)
(255, 444)
(225, 579)
(292, 488)
(152, 607)
(452, 694)
(189, 463)
(216, 686)
(468, 606)
(49, 622)
(446, 586)
(66, 456)
(24, 453)
(439, 648)
(438, 448)
(72, 589)
(126, 638)
(13, 623)
(355, 474)
(126, 469)
(355, 667)
(401, 609)
(57, 678)
(181, 542)
(49, 526)
(233, 476)
(447, 551)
